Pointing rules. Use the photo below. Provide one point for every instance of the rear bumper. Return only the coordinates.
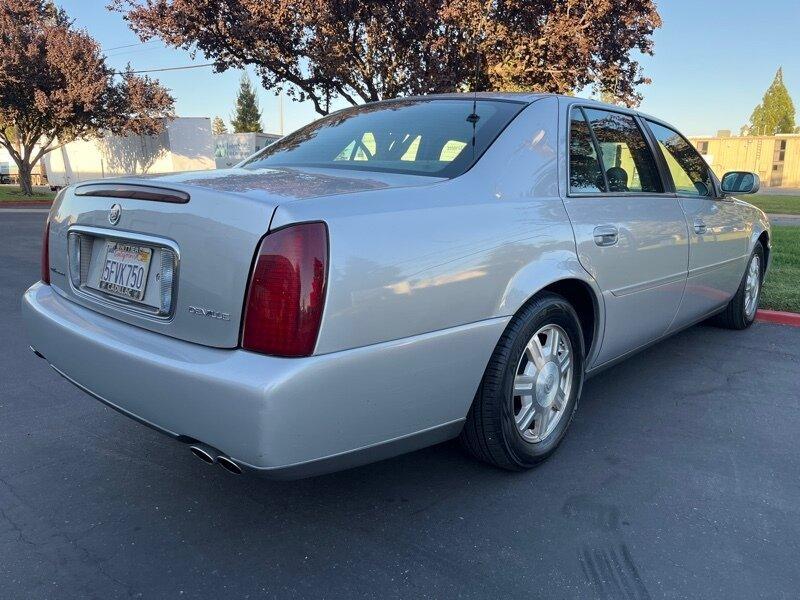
(284, 418)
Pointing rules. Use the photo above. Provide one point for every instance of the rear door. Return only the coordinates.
(631, 235)
(718, 235)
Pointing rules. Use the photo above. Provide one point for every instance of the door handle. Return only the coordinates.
(606, 235)
(700, 227)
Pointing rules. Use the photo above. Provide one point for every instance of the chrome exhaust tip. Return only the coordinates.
(204, 453)
(230, 466)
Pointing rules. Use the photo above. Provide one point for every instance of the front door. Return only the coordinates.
(631, 236)
(718, 241)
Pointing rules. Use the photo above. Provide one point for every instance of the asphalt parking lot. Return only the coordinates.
(680, 478)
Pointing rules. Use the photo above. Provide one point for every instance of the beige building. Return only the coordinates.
(776, 158)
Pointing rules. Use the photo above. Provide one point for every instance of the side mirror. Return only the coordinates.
(740, 182)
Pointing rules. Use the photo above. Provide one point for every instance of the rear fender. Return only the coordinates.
(548, 269)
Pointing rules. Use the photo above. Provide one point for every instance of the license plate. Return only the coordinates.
(125, 270)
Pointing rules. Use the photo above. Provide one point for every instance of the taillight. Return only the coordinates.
(46, 253)
(286, 294)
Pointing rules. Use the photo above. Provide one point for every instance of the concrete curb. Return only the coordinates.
(776, 316)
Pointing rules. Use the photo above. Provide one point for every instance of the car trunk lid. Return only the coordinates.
(189, 238)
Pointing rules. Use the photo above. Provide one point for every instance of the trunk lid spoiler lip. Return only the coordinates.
(135, 191)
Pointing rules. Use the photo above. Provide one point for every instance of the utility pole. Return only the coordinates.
(280, 110)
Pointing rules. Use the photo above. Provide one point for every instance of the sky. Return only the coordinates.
(713, 61)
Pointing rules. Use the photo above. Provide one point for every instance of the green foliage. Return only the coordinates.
(9, 132)
(218, 126)
(248, 116)
(781, 289)
(15, 194)
(776, 203)
(775, 114)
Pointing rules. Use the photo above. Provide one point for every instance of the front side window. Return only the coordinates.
(626, 158)
(421, 137)
(689, 171)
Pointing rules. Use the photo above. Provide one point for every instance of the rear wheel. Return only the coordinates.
(530, 389)
(741, 310)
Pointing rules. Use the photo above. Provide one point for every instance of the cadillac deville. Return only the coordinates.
(392, 276)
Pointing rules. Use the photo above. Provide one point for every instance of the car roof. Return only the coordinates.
(513, 96)
(527, 98)
(522, 97)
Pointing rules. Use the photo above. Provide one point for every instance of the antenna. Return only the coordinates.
(474, 117)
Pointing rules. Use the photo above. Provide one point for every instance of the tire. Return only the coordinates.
(492, 432)
(736, 315)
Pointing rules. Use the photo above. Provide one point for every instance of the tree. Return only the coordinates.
(775, 114)
(609, 96)
(248, 117)
(218, 126)
(55, 87)
(365, 50)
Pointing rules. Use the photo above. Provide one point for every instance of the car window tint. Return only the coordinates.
(422, 137)
(585, 175)
(365, 149)
(626, 157)
(689, 171)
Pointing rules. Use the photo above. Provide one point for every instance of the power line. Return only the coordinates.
(130, 45)
(211, 64)
(129, 52)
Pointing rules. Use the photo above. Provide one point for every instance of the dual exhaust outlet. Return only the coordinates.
(211, 456)
(204, 452)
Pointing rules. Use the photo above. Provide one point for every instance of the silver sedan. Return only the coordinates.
(393, 276)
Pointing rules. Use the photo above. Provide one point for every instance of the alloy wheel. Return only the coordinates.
(751, 287)
(543, 383)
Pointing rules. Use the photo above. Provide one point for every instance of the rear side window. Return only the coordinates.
(585, 174)
(625, 156)
(690, 173)
(420, 137)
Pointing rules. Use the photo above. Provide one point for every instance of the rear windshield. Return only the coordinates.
(418, 137)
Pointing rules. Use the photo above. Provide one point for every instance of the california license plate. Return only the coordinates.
(125, 270)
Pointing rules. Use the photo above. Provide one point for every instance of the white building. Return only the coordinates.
(185, 145)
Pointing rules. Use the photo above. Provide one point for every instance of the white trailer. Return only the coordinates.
(8, 167)
(9, 173)
(186, 144)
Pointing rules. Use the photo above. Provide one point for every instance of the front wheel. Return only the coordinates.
(741, 310)
(529, 392)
